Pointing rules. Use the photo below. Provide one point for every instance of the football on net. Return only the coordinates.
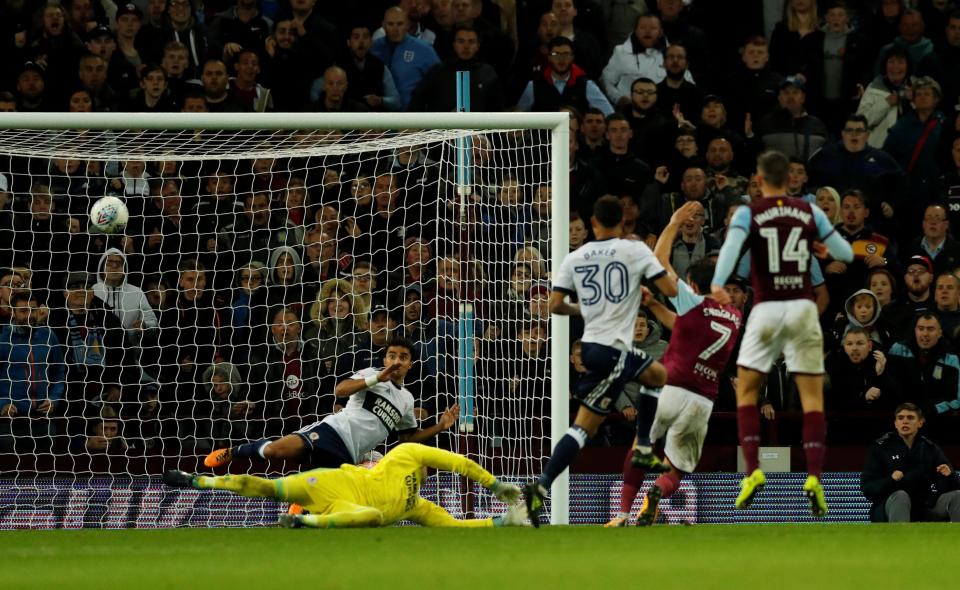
(109, 215)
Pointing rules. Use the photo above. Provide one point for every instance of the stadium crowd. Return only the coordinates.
(244, 289)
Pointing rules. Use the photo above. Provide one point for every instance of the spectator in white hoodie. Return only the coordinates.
(128, 302)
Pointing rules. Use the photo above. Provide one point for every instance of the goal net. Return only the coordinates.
(266, 259)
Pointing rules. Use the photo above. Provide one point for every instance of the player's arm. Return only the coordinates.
(348, 387)
(560, 306)
(730, 253)
(446, 420)
(660, 311)
(839, 248)
(820, 294)
(447, 461)
(668, 236)
(426, 513)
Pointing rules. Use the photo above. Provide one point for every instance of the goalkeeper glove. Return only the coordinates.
(505, 492)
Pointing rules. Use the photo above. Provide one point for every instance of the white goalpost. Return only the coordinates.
(267, 256)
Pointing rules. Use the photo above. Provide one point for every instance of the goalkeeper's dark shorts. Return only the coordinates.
(325, 448)
(608, 371)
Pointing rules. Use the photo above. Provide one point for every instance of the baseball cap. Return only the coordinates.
(78, 279)
(795, 82)
(32, 66)
(129, 9)
(711, 98)
(100, 31)
(922, 261)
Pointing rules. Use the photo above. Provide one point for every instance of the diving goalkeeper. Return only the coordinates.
(353, 497)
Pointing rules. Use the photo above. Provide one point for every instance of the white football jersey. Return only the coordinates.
(605, 275)
(372, 414)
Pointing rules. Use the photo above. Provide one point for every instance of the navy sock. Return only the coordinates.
(250, 450)
(646, 411)
(563, 454)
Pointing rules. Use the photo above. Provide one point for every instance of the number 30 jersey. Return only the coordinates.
(704, 336)
(781, 232)
(605, 275)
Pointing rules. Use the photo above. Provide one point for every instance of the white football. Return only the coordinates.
(109, 215)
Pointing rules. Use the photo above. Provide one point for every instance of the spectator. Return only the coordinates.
(914, 141)
(533, 57)
(332, 326)
(284, 375)
(562, 83)
(593, 134)
(944, 64)
(652, 131)
(127, 302)
(321, 261)
(853, 164)
(240, 27)
(797, 180)
(640, 56)
(105, 437)
(121, 75)
(675, 92)
(946, 296)
(693, 187)
(257, 231)
(928, 373)
(407, 57)
(624, 171)
(828, 199)
(95, 347)
(753, 87)
(907, 477)
(31, 374)
(371, 343)
(858, 379)
(92, 73)
(895, 316)
(421, 329)
(722, 179)
(885, 99)
(129, 19)
(181, 26)
(368, 80)
(59, 44)
(496, 47)
(910, 39)
(713, 123)
(792, 38)
(288, 67)
(152, 35)
(176, 65)
(578, 231)
(416, 11)
(436, 91)
(246, 308)
(335, 97)
(948, 191)
(216, 87)
(790, 129)
(31, 89)
(862, 310)
(10, 284)
(363, 283)
(153, 96)
(870, 249)
(836, 63)
(244, 88)
(918, 278)
(190, 336)
(222, 416)
(936, 243)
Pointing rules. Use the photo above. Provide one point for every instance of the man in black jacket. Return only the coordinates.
(437, 89)
(907, 477)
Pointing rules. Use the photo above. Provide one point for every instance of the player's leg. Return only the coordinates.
(250, 486)
(642, 454)
(290, 447)
(804, 359)
(632, 481)
(428, 514)
(340, 515)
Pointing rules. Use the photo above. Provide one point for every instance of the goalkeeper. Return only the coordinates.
(353, 497)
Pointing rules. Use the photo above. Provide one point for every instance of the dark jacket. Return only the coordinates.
(547, 98)
(437, 91)
(849, 383)
(920, 478)
(929, 378)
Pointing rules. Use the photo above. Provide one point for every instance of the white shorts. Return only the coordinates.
(683, 417)
(790, 327)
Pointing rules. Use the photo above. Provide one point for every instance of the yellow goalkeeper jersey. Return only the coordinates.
(392, 486)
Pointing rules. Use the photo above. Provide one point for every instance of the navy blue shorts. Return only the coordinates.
(325, 448)
(608, 371)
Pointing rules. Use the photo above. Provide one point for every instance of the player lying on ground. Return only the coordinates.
(605, 276)
(781, 232)
(353, 496)
(703, 336)
(379, 405)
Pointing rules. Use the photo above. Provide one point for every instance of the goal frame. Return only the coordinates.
(557, 123)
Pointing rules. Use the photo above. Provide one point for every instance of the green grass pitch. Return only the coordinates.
(776, 557)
